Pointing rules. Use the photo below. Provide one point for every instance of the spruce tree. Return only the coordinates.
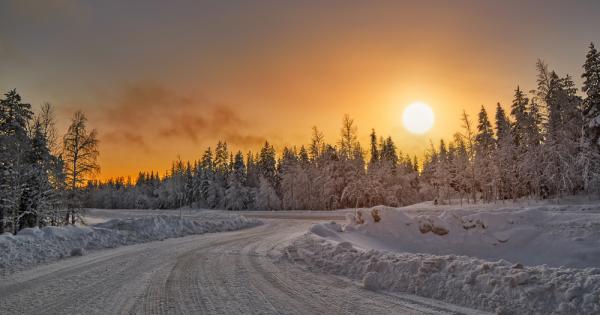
(591, 103)
(521, 122)
(484, 150)
(14, 165)
(589, 158)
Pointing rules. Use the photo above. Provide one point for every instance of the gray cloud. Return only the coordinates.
(145, 110)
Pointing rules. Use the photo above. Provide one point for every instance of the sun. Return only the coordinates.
(418, 118)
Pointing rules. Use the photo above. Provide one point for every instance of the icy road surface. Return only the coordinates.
(239, 272)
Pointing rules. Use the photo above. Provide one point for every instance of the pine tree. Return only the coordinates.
(591, 88)
(563, 134)
(484, 150)
(239, 168)
(252, 172)
(266, 197)
(267, 164)
(208, 184)
(221, 163)
(303, 156)
(374, 151)
(467, 138)
(504, 157)
(14, 167)
(589, 158)
(388, 152)
(39, 197)
(521, 123)
(236, 195)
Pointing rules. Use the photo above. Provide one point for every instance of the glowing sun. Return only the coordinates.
(418, 118)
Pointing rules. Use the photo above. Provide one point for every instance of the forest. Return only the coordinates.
(546, 146)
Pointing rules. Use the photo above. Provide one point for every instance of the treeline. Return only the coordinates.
(40, 177)
(320, 176)
(546, 146)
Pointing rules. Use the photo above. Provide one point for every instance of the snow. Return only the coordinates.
(531, 236)
(536, 260)
(33, 246)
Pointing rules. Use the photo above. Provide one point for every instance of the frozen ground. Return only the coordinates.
(540, 258)
(238, 272)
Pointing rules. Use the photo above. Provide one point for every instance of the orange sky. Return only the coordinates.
(160, 80)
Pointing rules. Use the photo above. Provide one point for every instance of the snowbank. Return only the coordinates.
(527, 236)
(34, 245)
(500, 287)
(510, 261)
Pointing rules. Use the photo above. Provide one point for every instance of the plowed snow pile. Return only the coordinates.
(34, 245)
(527, 261)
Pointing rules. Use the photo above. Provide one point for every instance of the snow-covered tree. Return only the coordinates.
(266, 197)
(563, 134)
(504, 157)
(267, 164)
(14, 167)
(589, 157)
(236, 195)
(484, 148)
(466, 146)
(348, 138)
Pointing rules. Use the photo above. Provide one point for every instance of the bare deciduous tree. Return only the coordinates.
(80, 154)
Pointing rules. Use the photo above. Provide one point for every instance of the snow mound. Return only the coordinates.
(542, 260)
(500, 287)
(527, 236)
(34, 245)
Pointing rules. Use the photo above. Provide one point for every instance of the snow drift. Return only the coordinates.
(527, 236)
(525, 261)
(500, 286)
(34, 245)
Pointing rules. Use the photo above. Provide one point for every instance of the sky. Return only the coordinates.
(161, 80)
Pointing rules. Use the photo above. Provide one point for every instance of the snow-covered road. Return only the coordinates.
(239, 272)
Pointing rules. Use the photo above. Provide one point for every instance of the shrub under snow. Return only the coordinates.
(34, 245)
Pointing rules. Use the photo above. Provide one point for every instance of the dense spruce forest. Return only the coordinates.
(546, 146)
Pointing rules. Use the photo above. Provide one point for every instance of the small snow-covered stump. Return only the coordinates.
(77, 251)
(371, 281)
